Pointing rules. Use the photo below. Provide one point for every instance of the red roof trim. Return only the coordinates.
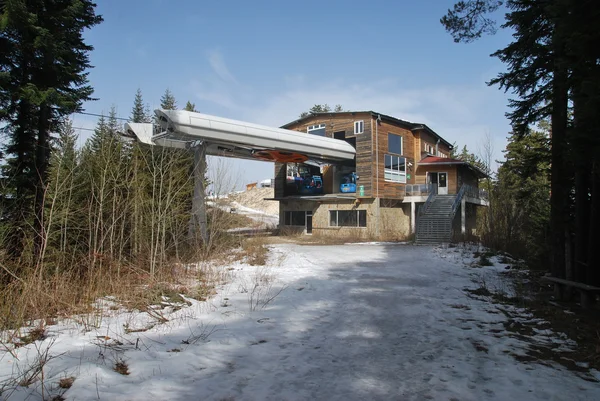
(445, 161)
(436, 160)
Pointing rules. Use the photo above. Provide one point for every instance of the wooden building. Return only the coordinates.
(403, 170)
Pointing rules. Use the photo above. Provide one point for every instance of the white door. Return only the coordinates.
(443, 183)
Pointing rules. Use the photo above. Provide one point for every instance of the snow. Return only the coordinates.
(376, 321)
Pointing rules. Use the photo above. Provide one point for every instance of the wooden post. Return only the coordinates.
(586, 299)
(463, 216)
(198, 222)
(558, 291)
(413, 224)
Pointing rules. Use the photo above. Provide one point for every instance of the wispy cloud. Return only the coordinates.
(464, 114)
(215, 58)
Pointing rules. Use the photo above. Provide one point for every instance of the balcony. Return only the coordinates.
(418, 189)
(420, 193)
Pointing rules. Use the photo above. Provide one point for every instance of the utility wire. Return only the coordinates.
(100, 115)
(84, 129)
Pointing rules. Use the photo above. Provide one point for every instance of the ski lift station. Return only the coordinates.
(359, 174)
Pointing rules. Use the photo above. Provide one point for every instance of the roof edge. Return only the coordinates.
(409, 125)
(456, 162)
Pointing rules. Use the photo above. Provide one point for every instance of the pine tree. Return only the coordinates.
(321, 108)
(545, 63)
(139, 112)
(43, 79)
(522, 194)
(189, 106)
(468, 20)
(167, 101)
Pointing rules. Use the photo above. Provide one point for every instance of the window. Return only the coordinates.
(395, 168)
(394, 143)
(339, 135)
(318, 129)
(359, 127)
(347, 218)
(294, 218)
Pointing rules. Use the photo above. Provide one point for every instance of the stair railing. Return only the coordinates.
(457, 201)
(423, 209)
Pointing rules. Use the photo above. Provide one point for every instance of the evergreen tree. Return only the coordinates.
(467, 156)
(139, 112)
(553, 68)
(468, 20)
(167, 101)
(522, 197)
(321, 108)
(43, 79)
(189, 106)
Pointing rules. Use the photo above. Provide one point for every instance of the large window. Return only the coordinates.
(294, 218)
(347, 218)
(318, 129)
(394, 143)
(359, 127)
(395, 168)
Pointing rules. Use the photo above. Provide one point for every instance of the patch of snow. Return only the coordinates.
(376, 322)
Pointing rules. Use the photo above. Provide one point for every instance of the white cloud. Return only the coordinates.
(459, 113)
(215, 58)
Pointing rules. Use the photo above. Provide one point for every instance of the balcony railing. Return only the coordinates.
(477, 193)
(426, 189)
(418, 189)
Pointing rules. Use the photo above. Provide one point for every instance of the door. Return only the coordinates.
(309, 222)
(433, 180)
(443, 183)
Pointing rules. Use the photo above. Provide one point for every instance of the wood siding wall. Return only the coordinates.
(371, 151)
(426, 138)
(345, 123)
(381, 187)
(450, 169)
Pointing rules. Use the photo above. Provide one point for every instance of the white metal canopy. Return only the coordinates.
(240, 139)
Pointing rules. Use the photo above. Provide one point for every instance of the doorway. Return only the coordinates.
(439, 182)
(309, 222)
(443, 183)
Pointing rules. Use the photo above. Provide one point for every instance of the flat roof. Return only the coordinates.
(317, 198)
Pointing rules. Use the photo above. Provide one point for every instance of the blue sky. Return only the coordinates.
(267, 61)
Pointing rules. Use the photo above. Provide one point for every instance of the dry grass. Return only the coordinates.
(254, 251)
(121, 367)
(580, 325)
(74, 292)
(226, 221)
(66, 382)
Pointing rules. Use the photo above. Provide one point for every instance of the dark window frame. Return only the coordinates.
(293, 216)
(400, 143)
(348, 218)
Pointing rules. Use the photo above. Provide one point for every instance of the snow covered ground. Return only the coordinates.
(369, 322)
(268, 220)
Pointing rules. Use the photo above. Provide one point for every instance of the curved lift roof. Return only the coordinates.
(239, 139)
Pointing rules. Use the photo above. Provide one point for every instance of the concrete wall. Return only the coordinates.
(394, 222)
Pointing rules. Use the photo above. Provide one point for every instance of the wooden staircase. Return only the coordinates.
(434, 225)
